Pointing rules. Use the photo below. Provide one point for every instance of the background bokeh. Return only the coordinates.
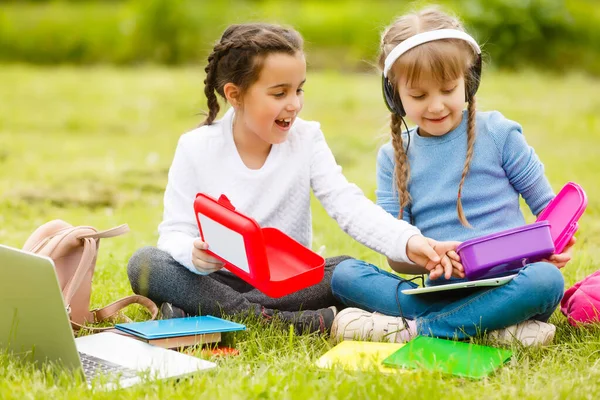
(550, 34)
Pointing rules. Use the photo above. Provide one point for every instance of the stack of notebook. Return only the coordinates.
(180, 332)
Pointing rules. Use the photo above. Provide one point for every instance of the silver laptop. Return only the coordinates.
(34, 325)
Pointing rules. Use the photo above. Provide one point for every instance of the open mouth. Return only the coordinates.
(284, 123)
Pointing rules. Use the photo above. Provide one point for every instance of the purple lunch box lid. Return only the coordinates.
(500, 234)
(563, 212)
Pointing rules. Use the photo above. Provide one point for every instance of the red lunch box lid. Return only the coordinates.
(233, 237)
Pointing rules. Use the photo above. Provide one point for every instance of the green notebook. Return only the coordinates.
(448, 356)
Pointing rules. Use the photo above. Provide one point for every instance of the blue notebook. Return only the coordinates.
(179, 327)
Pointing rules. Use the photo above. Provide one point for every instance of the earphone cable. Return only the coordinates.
(401, 281)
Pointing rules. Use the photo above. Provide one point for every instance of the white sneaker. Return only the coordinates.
(529, 333)
(357, 324)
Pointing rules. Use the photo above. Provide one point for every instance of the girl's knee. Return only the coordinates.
(139, 266)
(545, 279)
(140, 259)
(345, 273)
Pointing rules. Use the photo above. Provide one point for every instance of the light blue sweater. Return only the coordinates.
(503, 167)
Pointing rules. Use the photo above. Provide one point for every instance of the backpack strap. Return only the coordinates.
(112, 232)
(85, 263)
(109, 312)
(90, 248)
(37, 247)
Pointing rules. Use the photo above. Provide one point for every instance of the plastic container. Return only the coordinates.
(506, 251)
(266, 258)
(563, 212)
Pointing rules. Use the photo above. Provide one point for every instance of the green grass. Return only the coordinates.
(93, 146)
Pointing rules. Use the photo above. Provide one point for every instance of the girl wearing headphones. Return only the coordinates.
(467, 171)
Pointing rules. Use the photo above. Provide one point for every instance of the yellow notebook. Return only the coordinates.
(355, 356)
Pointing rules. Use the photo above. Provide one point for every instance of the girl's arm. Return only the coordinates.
(178, 229)
(358, 216)
(387, 198)
(521, 164)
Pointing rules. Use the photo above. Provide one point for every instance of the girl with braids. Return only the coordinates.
(265, 160)
(457, 175)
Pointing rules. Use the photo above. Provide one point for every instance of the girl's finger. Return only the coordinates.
(431, 266)
(457, 265)
(200, 245)
(453, 255)
(457, 270)
(562, 258)
(208, 262)
(447, 265)
(430, 253)
(436, 272)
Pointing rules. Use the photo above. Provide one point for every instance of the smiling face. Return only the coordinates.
(269, 107)
(430, 80)
(436, 107)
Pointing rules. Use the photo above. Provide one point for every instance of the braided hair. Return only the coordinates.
(239, 55)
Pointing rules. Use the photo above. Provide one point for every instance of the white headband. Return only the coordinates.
(425, 37)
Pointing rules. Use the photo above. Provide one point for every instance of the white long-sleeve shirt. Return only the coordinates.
(276, 195)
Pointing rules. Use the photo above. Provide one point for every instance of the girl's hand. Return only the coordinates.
(204, 262)
(560, 260)
(435, 256)
(457, 268)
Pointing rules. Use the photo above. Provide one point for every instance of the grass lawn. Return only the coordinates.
(93, 146)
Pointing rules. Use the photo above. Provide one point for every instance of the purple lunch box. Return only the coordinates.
(500, 253)
(507, 251)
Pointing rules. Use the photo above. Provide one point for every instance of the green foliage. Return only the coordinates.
(339, 34)
(535, 32)
(162, 31)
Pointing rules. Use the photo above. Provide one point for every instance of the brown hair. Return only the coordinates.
(442, 60)
(238, 58)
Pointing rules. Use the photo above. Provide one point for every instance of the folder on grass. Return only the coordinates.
(356, 355)
(448, 356)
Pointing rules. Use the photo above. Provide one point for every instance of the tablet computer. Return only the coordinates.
(499, 281)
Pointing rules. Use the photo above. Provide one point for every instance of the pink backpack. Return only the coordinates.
(581, 302)
(74, 250)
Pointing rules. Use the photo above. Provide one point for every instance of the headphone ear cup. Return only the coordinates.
(391, 98)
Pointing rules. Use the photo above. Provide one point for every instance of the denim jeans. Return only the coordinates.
(533, 294)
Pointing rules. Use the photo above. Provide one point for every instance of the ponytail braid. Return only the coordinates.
(210, 88)
(401, 169)
(471, 133)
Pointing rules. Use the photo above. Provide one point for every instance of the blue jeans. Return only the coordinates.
(533, 294)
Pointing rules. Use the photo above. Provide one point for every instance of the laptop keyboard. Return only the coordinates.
(94, 366)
